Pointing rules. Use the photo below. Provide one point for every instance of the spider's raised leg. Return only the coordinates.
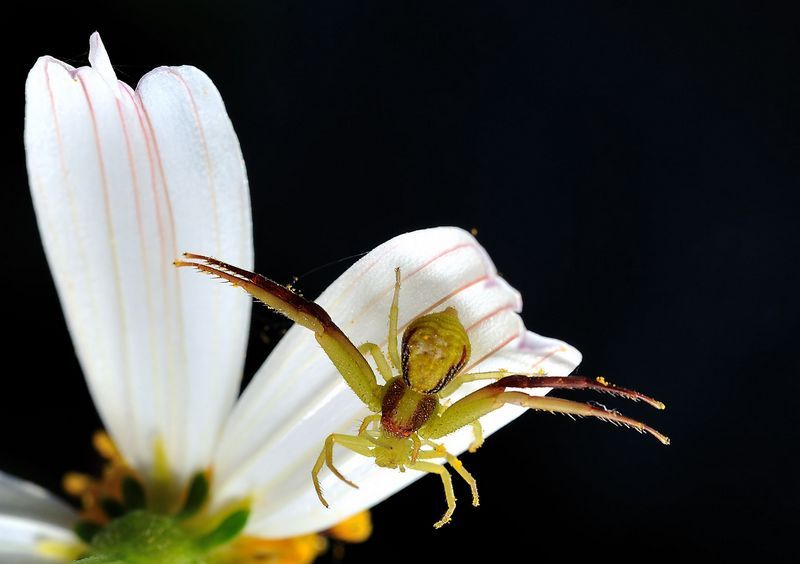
(487, 399)
(448, 487)
(358, 445)
(350, 363)
(394, 356)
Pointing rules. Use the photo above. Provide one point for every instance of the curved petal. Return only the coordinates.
(121, 181)
(29, 516)
(297, 398)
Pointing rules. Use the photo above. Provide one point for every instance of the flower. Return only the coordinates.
(123, 180)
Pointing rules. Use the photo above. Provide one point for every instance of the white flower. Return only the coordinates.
(123, 181)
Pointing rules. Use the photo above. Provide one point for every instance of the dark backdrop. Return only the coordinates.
(632, 169)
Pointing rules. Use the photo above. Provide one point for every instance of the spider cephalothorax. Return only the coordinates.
(435, 349)
(409, 413)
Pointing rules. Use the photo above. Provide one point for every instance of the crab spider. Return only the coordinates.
(408, 412)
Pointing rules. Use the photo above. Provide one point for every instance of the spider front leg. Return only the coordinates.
(540, 381)
(509, 380)
(350, 363)
(480, 402)
(358, 445)
(371, 348)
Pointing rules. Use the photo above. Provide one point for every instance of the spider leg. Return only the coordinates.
(440, 452)
(358, 445)
(380, 360)
(575, 383)
(477, 434)
(487, 399)
(350, 363)
(367, 421)
(512, 380)
(448, 487)
(417, 444)
(466, 377)
(394, 356)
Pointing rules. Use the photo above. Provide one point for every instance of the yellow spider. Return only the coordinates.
(408, 413)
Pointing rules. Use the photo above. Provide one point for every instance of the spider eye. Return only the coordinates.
(435, 349)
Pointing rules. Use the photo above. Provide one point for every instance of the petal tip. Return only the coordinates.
(100, 61)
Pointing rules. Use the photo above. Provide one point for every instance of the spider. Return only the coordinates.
(408, 409)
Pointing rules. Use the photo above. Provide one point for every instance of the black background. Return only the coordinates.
(632, 169)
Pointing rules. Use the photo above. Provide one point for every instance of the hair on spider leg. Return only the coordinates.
(600, 405)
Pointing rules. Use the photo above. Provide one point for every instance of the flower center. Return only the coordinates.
(121, 521)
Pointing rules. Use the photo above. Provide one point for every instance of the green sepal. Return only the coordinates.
(225, 532)
(196, 498)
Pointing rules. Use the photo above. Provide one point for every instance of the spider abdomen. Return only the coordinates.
(405, 410)
(435, 349)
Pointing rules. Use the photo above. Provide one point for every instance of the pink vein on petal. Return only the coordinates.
(488, 316)
(405, 277)
(449, 296)
(70, 194)
(154, 374)
(491, 352)
(546, 356)
(123, 321)
(175, 364)
(135, 185)
(206, 154)
(215, 343)
(153, 182)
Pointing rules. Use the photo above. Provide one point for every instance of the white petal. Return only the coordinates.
(277, 429)
(28, 516)
(101, 63)
(122, 182)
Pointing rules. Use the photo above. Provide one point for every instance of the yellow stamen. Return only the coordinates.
(357, 528)
(296, 550)
(92, 491)
(77, 484)
(105, 446)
